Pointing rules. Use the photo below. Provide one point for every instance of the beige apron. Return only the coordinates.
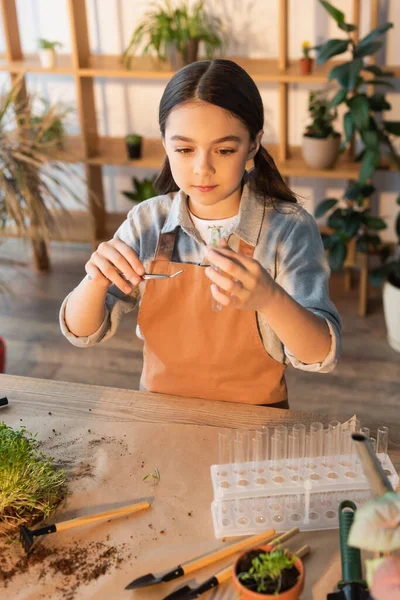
(190, 350)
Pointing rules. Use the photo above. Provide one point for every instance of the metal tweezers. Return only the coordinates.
(160, 275)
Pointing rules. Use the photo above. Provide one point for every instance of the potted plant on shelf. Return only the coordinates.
(306, 62)
(142, 190)
(363, 121)
(321, 143)
(174, 33)
(134, 145)
(31, 188)
(268, 572)
(47, 53)
(388, 276)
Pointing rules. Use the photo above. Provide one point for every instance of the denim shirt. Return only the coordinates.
(287, 244)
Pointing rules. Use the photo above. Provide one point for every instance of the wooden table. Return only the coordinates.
(178, 435)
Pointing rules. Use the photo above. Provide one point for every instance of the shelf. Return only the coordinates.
(145, 67)
(112, 151)
(31, 64)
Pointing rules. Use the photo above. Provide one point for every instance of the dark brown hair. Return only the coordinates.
(225, 84)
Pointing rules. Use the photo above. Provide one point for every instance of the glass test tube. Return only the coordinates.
(297, 440)
(259, 454)
(315, 445)
(348, 456)
(224, 452)
(365, 431)
(382, 441)
(215, 234)
(241, 456)
(332, 446)
(279, 452)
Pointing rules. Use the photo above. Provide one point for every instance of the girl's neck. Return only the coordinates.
(224, 209)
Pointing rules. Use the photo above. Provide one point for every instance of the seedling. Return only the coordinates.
(266, 570)
(155, 474)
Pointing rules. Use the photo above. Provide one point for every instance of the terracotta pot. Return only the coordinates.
(306, 65)
(321, 153)
(292, 594)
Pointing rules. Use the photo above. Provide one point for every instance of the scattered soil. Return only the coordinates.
(289, 576)
(73, 565)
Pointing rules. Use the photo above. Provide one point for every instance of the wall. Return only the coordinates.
(252, 26)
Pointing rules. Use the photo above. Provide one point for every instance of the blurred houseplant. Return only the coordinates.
(306, 62)
(174, 33)
(47, 53)
(134, 145)
(30, 186)
(351, 217)
(321, 142)
(142, 190)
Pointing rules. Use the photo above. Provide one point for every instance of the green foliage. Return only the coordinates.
(31, 485)
(47, 45)
(267, 567)
(155, 474)
(143, 190)
(165, 24)
(322, 116)
(352, 219)
(133, 138)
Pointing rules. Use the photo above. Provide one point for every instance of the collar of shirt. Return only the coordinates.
(248, 227)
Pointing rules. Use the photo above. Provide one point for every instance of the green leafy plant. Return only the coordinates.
(351, 217)
(133, 138)
(142, 190)
(155, 474)
(266, 569)
(306, 47)
(47, 45)
(54, 132)
(164, 25)
(322, 116)
(31, 485)
(31, 186)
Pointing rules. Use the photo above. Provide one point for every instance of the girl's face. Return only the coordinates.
(208, 149)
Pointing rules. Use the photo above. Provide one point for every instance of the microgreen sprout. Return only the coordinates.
(155, 474)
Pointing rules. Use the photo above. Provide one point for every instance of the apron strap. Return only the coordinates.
(165, 246)
(246, 249)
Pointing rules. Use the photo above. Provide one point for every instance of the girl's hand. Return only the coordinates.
(111, 262)
(243, 282)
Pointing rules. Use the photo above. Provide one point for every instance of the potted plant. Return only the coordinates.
(268, 572)
(174, 33)
(47, 53)
(321, 143)
(388, 276)
(30, 187)
(143, 190)
(306, 62)
(134, 145)
(351, 217)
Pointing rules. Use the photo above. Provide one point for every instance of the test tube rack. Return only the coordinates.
(290, 477)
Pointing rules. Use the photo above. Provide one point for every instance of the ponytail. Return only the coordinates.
(165, 183)
(266, 180)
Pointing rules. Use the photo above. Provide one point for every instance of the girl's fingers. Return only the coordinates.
(220, 296)
(117, 261)
(228, 261)
(231, 286)
(109, 271)
(94, 274)
(130, 256)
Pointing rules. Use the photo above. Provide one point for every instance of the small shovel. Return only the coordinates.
(352, 585)
(199, 563)
(27, 536)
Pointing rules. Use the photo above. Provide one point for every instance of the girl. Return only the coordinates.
(270, 275)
